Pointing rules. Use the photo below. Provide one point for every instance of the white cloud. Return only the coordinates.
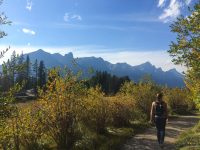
(161, 3)
(171, 12)
(104, 27)
(28, 31)
(188, 2)
(72, 17)
(29, 5)
(76, 17)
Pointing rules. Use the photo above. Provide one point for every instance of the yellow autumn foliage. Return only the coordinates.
(67, 111)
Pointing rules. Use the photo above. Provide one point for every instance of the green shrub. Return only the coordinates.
(95, 114)
(178, 101)
(190, 139)
(121, 108)
(142, 95)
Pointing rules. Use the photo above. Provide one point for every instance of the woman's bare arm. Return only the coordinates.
(152, 113)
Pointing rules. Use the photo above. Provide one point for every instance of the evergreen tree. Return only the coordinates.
(20, 69)
(5, 80)
(110, 84)
(35, 69)
(12, 67)
(28, 72)
(41, 74)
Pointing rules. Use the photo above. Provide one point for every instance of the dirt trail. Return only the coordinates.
(148, 139)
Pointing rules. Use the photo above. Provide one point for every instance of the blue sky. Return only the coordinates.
(132, 31)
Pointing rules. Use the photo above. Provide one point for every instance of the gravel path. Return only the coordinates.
(148, 139)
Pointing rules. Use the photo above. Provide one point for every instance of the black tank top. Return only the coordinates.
(159, 109)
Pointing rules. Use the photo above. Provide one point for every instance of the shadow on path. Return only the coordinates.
(148, 139)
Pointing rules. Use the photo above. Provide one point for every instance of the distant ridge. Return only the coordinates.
(171, 78)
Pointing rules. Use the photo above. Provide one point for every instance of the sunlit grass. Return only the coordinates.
(190, 140)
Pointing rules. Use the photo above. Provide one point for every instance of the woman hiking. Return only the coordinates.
(159, 115)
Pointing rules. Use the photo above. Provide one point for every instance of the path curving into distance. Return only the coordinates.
(148, 139)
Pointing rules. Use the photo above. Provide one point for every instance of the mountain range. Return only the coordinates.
(171, 78)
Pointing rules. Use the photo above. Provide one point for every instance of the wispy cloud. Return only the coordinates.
(20, 23)
(29, 5)
(171, 12)
(132, 17)
(121, 28)
(161, 3)
(28, 31)
(72, 17)
(76, 17)
(188, 2)
(87, 27)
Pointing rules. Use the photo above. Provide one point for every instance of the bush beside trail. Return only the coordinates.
(189, 139)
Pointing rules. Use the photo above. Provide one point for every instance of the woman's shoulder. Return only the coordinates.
(154, 103)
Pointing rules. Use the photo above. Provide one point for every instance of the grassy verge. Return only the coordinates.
(190, 140)
(113, 139)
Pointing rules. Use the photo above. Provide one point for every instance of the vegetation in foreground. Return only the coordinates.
(70, 115)
(189, 140)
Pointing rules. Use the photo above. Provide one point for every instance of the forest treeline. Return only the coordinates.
(110, 84)
(19, 70)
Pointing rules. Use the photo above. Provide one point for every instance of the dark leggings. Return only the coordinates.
(160, 125)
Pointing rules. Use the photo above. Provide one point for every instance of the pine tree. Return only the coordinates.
(110, 84)
(41, 74)
(6, 84)
(12, 67)
(35, 69)
(20, 69)
(28, 72)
